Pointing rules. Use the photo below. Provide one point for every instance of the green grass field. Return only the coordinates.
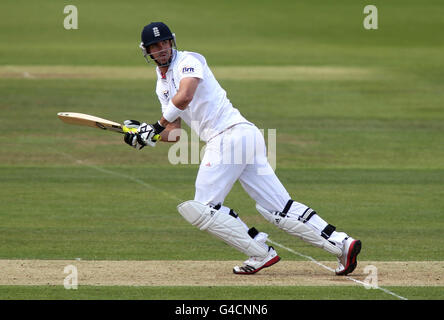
(359, 117)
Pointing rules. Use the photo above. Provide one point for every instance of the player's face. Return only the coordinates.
(161, 51)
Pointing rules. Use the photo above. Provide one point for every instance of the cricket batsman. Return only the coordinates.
(235, 150)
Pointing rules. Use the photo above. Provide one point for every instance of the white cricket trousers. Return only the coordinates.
(239, 153)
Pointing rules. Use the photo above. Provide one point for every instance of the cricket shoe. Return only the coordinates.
(254, 264)
(348, 259)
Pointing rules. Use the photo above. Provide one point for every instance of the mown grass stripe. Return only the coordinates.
(268, 73)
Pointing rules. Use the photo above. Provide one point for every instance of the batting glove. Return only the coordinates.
(131, 124)
(147, 135)
(131, 136)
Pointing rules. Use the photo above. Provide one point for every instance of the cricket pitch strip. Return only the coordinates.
(214, 273)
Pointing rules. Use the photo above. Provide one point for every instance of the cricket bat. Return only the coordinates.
(82, 119)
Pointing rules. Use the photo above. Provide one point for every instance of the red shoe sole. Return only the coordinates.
(355, 249)
(268, 264)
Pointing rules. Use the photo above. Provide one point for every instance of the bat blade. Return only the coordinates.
(82, 119)
(88, 120)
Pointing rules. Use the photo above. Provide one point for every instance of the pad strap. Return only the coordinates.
(284, 212)
(328, 230)
(252, 232)
(307, 215)
(233, 214)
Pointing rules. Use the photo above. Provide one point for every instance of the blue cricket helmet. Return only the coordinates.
(155, 32)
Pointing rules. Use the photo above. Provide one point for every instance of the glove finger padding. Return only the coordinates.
(132, 139)
(140, 139)
(147, 138)
(128, 138)
(145, 128)
(132, 124)
(146, 134)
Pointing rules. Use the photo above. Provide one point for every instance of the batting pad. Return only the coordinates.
(224, 226)
(300, 230)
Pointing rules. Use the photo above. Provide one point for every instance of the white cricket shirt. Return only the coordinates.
(210, 112)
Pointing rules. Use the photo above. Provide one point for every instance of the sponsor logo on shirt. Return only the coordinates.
(166, 94)
(187, 70)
